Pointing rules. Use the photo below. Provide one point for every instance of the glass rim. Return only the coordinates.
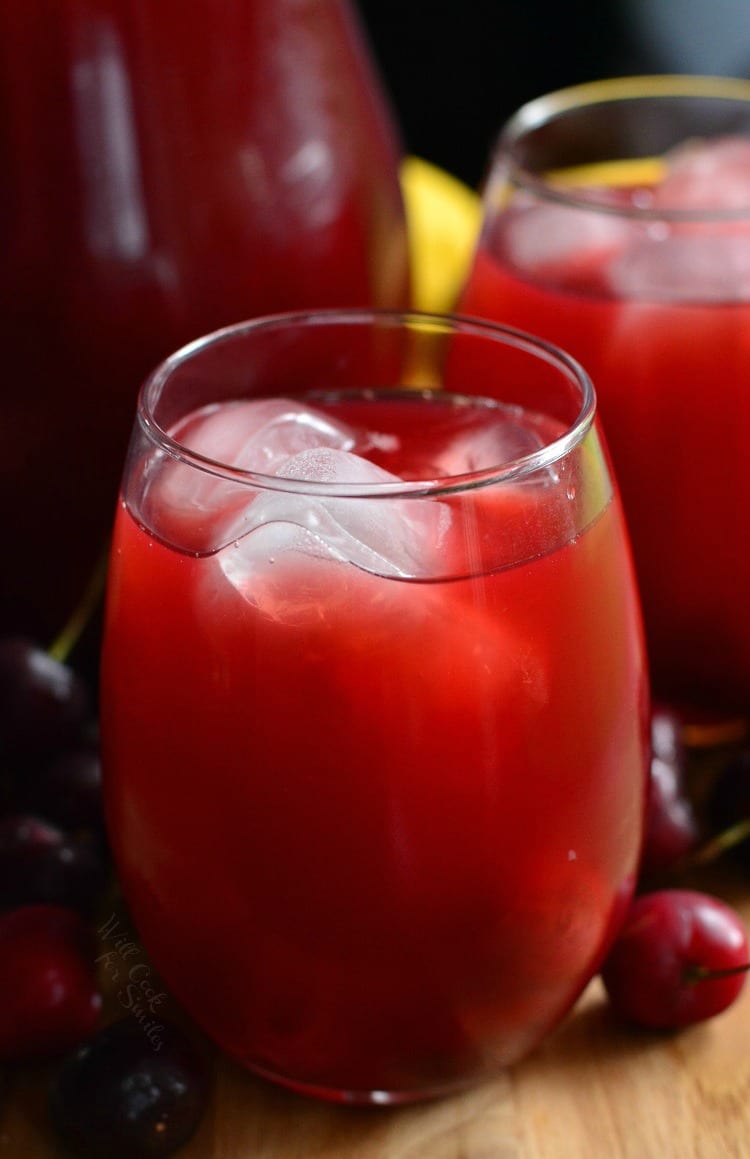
(614, 90)
(508, 471)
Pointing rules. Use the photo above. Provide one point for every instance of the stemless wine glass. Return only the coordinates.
(617, 224)
(373, 692)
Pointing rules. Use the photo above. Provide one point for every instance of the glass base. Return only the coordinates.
(373, 1098)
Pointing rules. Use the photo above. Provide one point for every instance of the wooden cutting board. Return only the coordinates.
(593, 1090)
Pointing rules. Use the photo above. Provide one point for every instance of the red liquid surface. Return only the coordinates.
(376, 832)
(168, 168)
(672, 383)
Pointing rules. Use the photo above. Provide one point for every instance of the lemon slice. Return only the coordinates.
(624, 172)
(443, 217)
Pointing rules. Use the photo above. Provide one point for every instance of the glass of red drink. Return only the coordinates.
(373, 691)
(617, 223)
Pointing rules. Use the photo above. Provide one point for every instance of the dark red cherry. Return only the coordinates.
(44, 705)
(672, 828)
(48, 994)
(67, 790)
(135, 1090)
(41, 864)
(679, 958)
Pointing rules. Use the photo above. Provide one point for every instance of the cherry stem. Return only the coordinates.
(693, 973)
(62, 646)
(724, 841)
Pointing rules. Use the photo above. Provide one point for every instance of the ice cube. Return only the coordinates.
(685, 267)
(710, 175)
(260, 434)
(694, 260)
(200, 509)
(544, 235)
(495, 436)
(392, 537)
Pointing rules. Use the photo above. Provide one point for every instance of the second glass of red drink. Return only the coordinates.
(617, 224)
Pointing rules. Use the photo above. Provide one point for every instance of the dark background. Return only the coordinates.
(455, 69)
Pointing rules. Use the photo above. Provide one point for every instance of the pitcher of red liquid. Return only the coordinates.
(167, 169)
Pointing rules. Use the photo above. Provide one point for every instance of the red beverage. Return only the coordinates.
(641, 270)
(374, 765)
(168, 168)
(680, 459)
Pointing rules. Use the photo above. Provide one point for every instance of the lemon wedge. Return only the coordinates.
(443, 217)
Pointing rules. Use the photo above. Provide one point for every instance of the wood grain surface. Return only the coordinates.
(593, 1090)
